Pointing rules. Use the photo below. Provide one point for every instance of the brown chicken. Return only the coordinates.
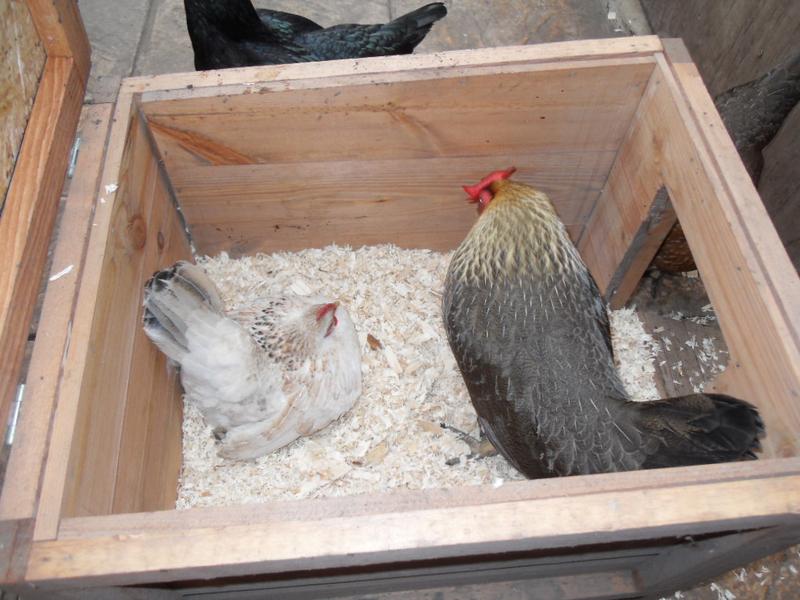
(530, 333)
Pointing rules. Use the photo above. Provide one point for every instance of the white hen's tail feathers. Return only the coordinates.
(173, 299)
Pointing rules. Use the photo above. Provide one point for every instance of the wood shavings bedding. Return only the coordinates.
(391, 438)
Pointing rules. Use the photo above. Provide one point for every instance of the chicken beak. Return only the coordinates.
(325, 309)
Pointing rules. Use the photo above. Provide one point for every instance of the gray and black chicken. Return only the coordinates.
(530, 334)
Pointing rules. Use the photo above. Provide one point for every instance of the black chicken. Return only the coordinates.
(231, 33)
(530, 333)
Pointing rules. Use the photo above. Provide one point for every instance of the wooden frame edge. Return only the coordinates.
(423, 534)
(29, 452)
(54, 478)
(30, 210)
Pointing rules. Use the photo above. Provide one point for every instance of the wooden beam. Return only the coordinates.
(27, 459)
(62, 32)
(633, 214)
(748, 275)
(227, 81)
(15, 544)
(421, 534)
(30, 211)
(64, 430)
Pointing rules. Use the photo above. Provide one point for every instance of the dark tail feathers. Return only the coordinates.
(417, 23)
(700, 429)
(171, 298)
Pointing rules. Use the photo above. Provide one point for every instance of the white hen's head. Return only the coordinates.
(294, 328)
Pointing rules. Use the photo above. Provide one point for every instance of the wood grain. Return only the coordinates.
(61, 30)
(42, 383)
(21, 62)
(265, 208)
(553, 107)
(423, 534)
(228, 81)
(744, 266)
(150, 444)
(30, 211)
(627, 225)
(65, 434)
(313, 186)
(404, 501)
(142, 224)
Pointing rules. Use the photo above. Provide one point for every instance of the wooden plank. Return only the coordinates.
(21, 62)
(244, 209)
(630, 219)
(553, 107)
(30, 210)
(696, 561)
(216, 82)
(61, 30)
(150, 446)
(643, 245)
(333, 542)
(744, 266)
(15, 544)
(95, 454)
(68, 405)
(30, 444)
(402, 501)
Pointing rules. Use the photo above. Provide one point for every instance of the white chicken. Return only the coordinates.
(261, 375)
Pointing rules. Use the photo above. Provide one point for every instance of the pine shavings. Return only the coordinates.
(392, 437)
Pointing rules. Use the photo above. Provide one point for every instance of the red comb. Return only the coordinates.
(475, 191)
(326, 308)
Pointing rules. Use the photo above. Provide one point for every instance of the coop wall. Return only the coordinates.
(21, 62)
(125, 453)
(298, 165)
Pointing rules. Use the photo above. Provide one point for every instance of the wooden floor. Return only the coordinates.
(138, 37)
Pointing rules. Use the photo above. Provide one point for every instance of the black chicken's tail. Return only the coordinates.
(416, 24)
(174, 299)
(700, 429)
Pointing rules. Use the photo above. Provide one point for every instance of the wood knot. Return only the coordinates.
(160, 240)
(137, 232)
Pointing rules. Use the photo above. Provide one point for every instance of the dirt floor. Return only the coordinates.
(143, 37)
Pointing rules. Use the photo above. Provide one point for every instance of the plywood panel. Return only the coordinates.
(553, 108)
(53, 335)
(245, 209)
(101, 422)
(30, 210)
(150, 446)
(347, 540)
(21, 62)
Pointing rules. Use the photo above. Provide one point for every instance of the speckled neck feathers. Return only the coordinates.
(518, 234)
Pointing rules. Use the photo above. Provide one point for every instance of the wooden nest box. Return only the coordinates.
(373, 151)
